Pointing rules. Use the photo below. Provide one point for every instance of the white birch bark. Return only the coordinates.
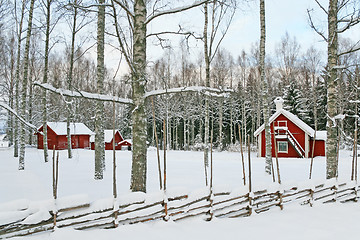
(207, 84)
(331, 142)
(17, 81)
(99, 115)
(139, 168)
(24, 88)
(45, 78)
(265, 89)
(70, 80)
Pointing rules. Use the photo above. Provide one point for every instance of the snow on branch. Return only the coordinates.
(7, 107)
(83, 94)
(174, 10)
(212, 92)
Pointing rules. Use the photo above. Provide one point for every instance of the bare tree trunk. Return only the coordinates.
(70, 80)
(221, 113)
(192, 131)
(45, 78)
(11, 95)
(265, 89)
(138, 172)
(24, 88)
(156, 142)
(231, 122)
(315, 121)
(99, 115)
(207, 84)
(30, 100)
(331, 143)
(17, 83)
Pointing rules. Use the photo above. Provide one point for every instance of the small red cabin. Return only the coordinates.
(57, 135)
(120, 143)
(293, 136)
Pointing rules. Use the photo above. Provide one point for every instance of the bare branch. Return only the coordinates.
(315, 28)
(125, 8)
(179, 32)
(213, 92)
(122, 43)
(175, 10)
(83, 94)
(223, 34)
(7, 107)
(354, 48)
(321, 6)
(350, 22)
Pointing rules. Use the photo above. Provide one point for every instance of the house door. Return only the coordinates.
(75, 142)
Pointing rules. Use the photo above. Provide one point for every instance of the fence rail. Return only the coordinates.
(24, 218)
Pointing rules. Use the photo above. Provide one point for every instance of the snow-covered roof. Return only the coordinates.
(108, 135)
(127, 140)
(75, 128)
(321, 135)
(293, 118)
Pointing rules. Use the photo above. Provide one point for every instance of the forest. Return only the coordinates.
(63, 43)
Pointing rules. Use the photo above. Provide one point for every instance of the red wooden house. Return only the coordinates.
(57, 135)
(120, 143)
(293, 136)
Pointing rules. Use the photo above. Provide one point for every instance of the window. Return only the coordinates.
(282, 147)
(282, 123)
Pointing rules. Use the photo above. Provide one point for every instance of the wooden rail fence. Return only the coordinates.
(23, 218)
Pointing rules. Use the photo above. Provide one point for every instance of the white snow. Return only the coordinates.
(60, 128)
(82, 94)
(321, 135)
(323, 222)
(31, 191)
(214, 92)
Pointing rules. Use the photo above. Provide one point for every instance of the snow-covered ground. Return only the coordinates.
(184, 170)
(324, 222)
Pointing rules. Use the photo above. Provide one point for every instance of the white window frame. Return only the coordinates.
(278, 147)
(282, 121)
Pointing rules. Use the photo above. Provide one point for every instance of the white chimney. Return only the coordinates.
(279, 103)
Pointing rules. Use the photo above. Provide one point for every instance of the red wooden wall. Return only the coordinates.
(298, 134)
(60, 141)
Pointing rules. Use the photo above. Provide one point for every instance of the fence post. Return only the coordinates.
(278, 170)
(242, 155)
(250, 187)
(55, 183)
(311, 200)
(166, 217)
(211, 199)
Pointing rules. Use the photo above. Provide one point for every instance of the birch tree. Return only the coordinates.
(24, 87)
(45, 77)
(341, 16)
(217, 18)
(78, 20)
(100, 75)
(265, 89)
(135, 56)
(19, 26)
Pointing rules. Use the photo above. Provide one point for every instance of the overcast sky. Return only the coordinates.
(281, 16)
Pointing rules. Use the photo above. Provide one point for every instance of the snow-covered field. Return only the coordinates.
(184, 170)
